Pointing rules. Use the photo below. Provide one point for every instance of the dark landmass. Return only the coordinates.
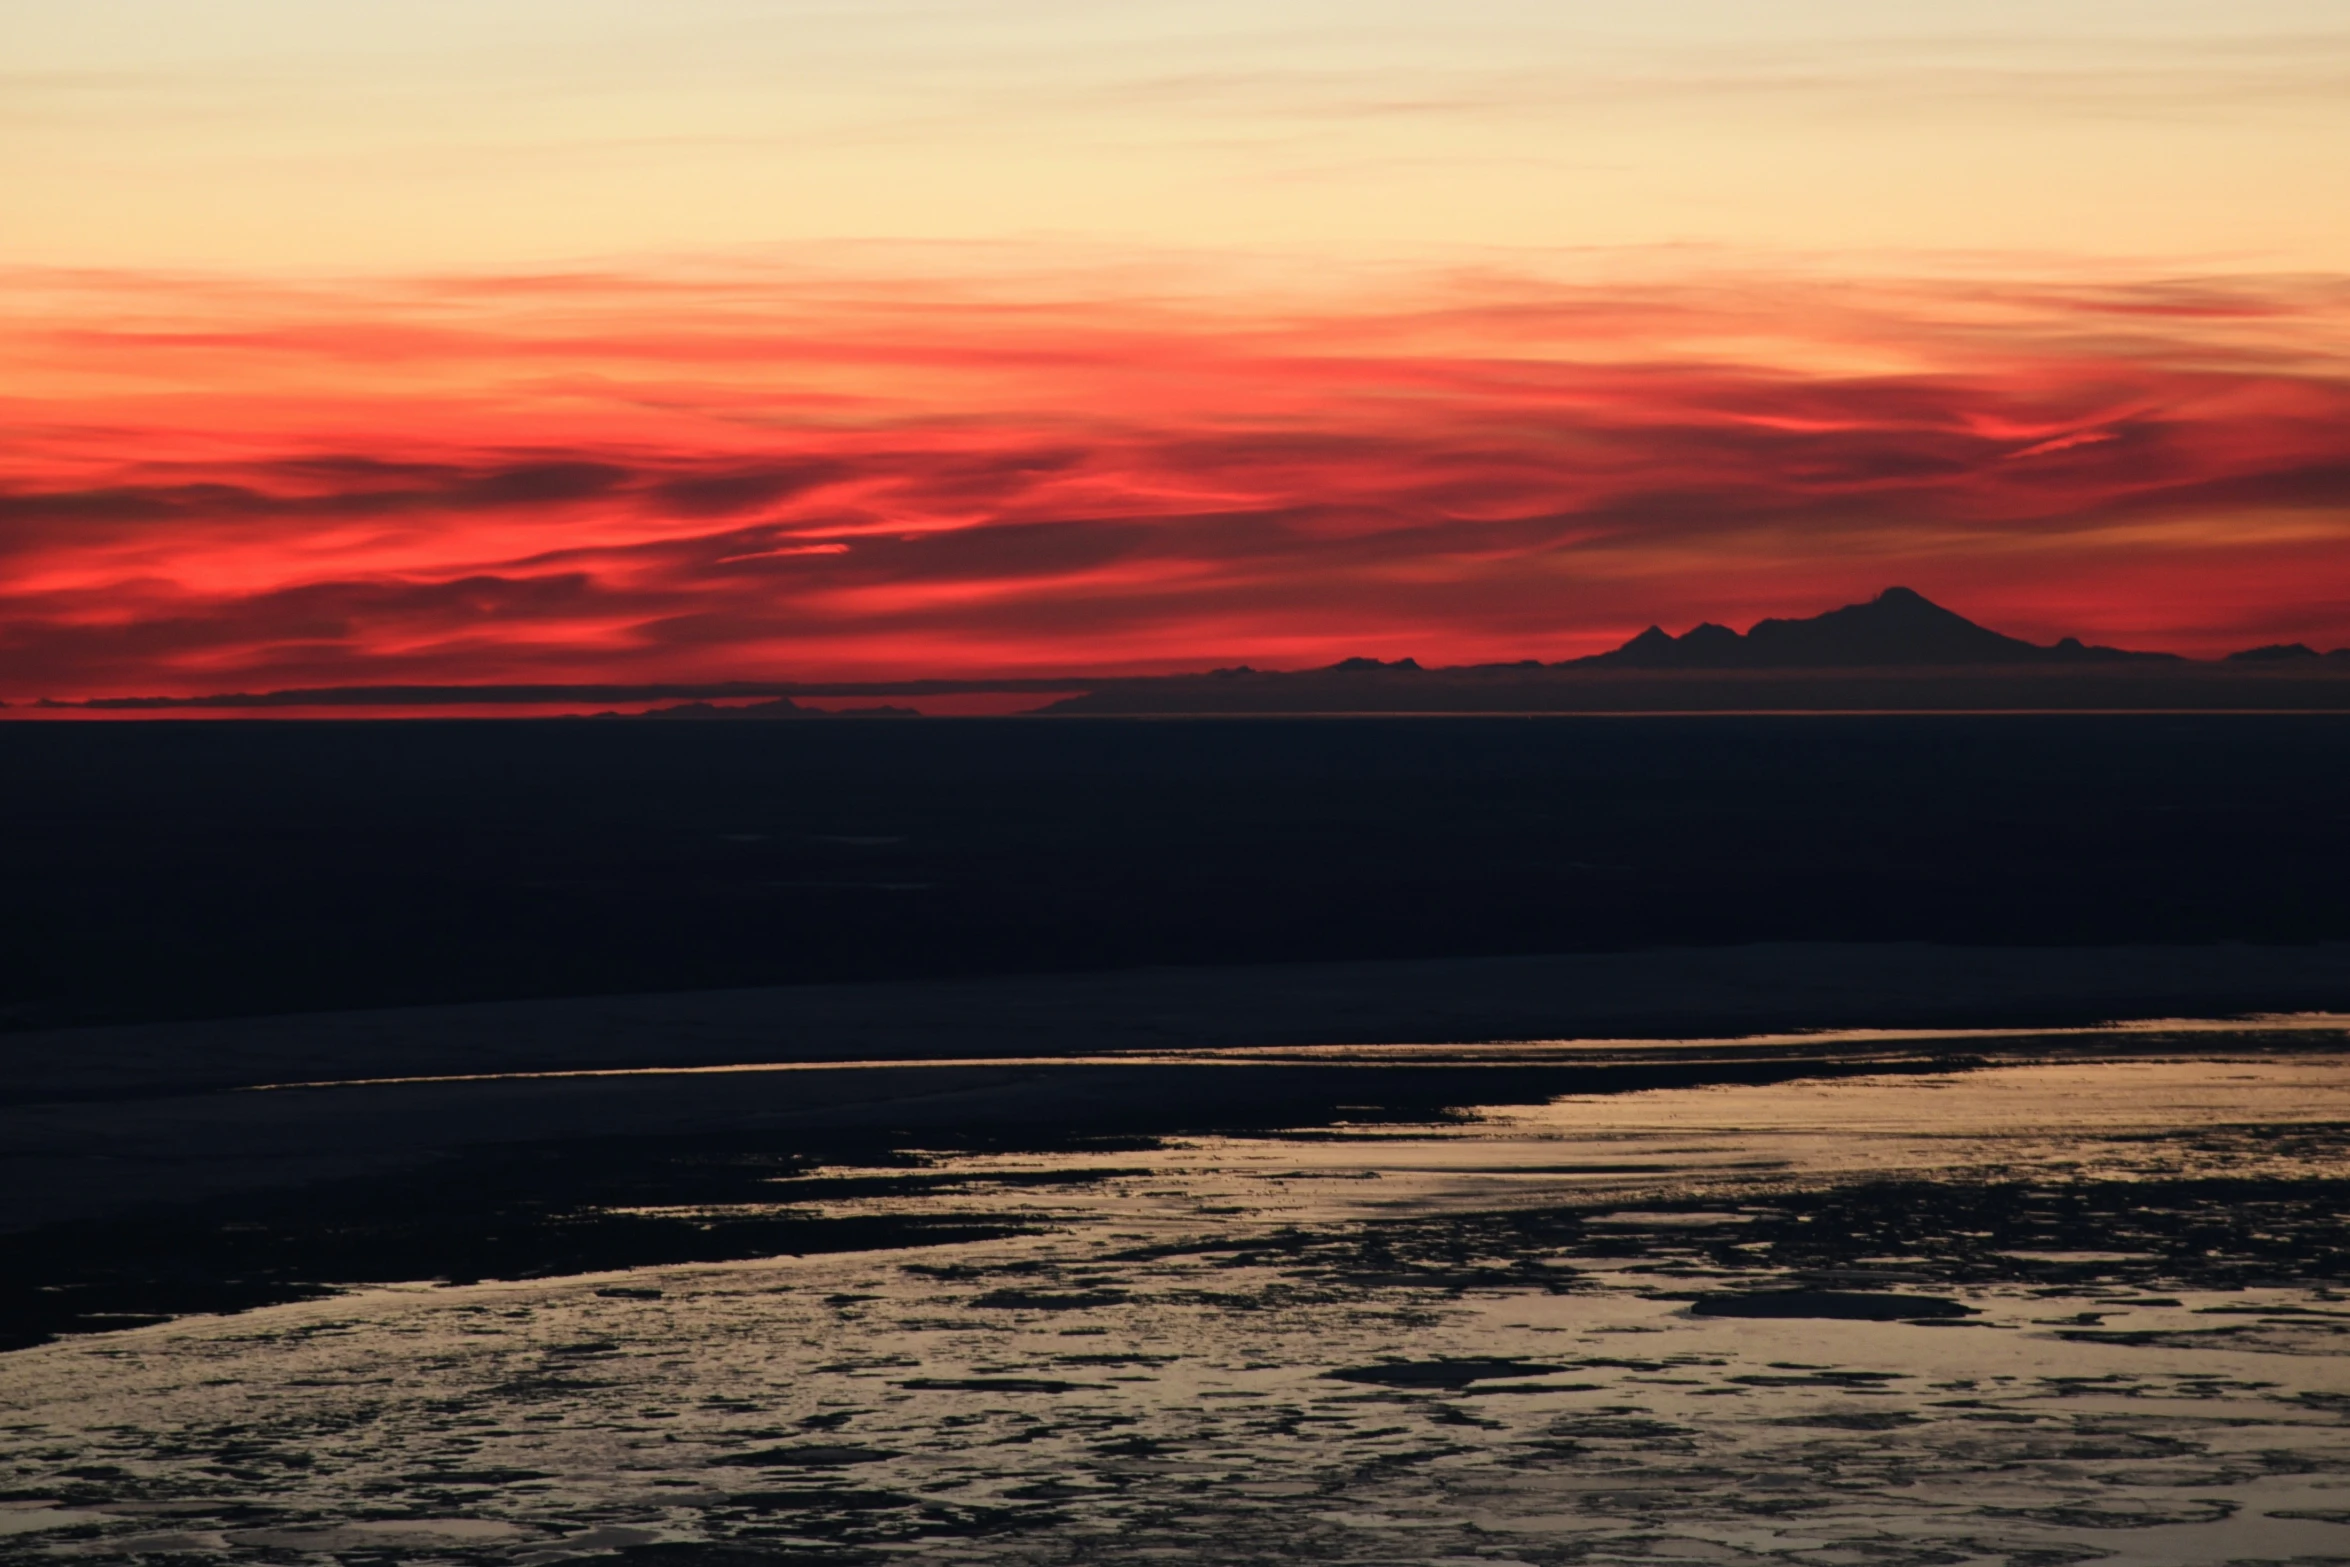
(1899, 628)
(2317, 685)
(1897, 653)
(543, 695)
(2288, 652)
(173, 870)
(782, 707)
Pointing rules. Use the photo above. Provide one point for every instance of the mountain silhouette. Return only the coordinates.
(1897, 628)
(783, 707)
(2288, 653)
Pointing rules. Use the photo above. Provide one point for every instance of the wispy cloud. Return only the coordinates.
(607, 478)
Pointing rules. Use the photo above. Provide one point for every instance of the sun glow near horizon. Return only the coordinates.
(512, 341)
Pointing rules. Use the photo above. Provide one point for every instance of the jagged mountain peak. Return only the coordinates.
(1898, 628)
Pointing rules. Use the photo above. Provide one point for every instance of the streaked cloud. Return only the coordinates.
(266, 135)
(768, 474)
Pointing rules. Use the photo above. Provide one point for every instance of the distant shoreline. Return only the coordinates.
(116, 1119)
(2302, 687)
(1652, 993)
(1842, 660)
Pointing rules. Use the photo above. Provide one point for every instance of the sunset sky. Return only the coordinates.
(511, 340)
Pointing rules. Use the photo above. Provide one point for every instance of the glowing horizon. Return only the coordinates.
(512, 342)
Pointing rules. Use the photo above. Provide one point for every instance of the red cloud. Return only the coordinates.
(610, 480)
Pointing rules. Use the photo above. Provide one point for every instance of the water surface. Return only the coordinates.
(2058, 1306)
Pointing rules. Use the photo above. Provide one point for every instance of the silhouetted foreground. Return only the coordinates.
(1898, 652)
(1898, 628)
(181, 870)
(1362, 686)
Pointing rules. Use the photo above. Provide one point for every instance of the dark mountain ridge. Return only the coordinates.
(2288, 653)
(1851, 658)
(1899, 652)
(1898, 628)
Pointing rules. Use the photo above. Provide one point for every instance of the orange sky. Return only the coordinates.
(767, 476)
(772, 340)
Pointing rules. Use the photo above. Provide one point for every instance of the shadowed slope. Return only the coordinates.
(1897, 628)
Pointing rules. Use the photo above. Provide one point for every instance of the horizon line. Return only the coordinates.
(499, 694)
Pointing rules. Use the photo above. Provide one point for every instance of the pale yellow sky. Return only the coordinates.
(354, 340)
(427, 134)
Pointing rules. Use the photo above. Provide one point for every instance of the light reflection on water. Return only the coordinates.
(2118, 1120)
(2152, 1371)
(1515, 1052)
